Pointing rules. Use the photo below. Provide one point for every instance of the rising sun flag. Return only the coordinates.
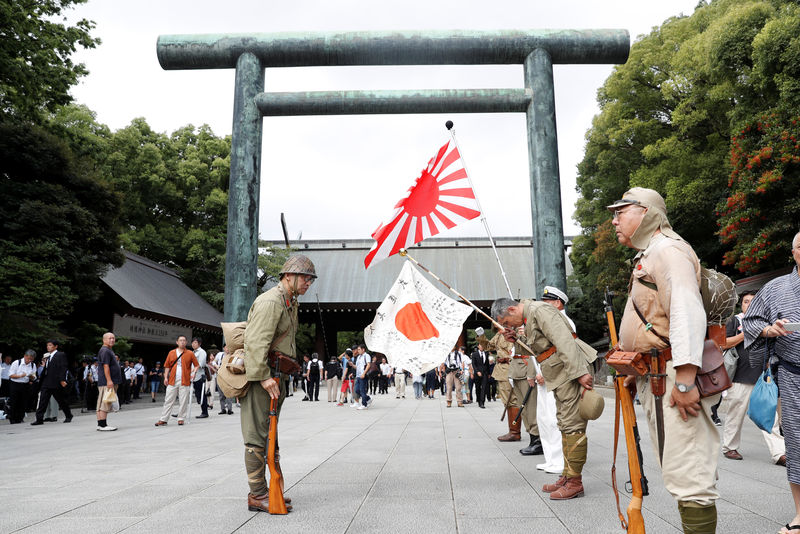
(440, 199)
(416, 326)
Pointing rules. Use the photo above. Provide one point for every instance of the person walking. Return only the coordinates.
(332, 373)
(155, 376)
(199, 380)
(179, 370)
(665, 312)
(109, 376)
(22, 375)
(225, 403)
(313, 375)
(363, 359)
(399, 382)
(770, 329)
(737, 398)
(54, 384)
(91, 377)
(480, 366)
(452, 366)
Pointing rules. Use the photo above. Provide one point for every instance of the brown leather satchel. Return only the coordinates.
(282, 363)
(712, 378)
(627, 363)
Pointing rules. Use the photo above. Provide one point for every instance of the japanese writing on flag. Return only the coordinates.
(440, 199)
(416, 326)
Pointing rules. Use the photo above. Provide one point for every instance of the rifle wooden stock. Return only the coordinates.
(277, 504)
(638, 481)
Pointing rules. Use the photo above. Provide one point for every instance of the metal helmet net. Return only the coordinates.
(719, 296)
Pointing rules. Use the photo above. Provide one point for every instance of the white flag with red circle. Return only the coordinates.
(416, 325)
(440, 199)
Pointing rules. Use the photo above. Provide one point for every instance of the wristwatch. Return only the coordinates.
(684, 388)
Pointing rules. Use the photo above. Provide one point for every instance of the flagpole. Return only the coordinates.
(449, 126)
(403, 252)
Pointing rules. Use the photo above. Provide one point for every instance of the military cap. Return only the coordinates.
(590, 405)
(640, 196)
(553, 293)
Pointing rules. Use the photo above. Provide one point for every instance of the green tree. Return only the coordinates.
(667, 121)
(175, 210)
(59, 234)
(36, 71)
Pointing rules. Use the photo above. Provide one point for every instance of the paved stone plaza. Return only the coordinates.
(402, 466)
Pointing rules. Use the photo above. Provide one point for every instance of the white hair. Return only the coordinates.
(796, 240)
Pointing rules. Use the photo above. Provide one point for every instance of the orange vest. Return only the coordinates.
(187, 359)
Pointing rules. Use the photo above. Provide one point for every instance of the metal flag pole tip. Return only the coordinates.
(403, 252)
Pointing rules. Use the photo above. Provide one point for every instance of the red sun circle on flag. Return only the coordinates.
(423, 197)
(412, 322)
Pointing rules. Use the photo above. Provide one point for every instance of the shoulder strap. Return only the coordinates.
(647, 324)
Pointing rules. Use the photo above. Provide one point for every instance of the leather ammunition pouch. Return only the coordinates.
(627, 363)
(283, 363)
(712, 378)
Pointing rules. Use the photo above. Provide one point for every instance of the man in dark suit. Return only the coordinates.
(54, 383)
(480, 366)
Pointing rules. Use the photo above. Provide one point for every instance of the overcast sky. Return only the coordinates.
(338, 177)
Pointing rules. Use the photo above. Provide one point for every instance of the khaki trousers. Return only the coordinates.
(505, 392)
(734, 409)
(567, 397)
(181, 394)
(255, 414)
(691, 448)
(332, 385)
(399, 384)
(520, 388)
(453, 382)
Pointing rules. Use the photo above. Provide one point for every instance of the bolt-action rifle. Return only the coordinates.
(277, 503)
(624, 404)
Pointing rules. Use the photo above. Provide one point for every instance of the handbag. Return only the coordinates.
(764, 399)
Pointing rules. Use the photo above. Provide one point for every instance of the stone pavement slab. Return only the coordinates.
(404, 465)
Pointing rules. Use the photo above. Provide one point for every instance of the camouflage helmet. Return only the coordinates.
(298, 264)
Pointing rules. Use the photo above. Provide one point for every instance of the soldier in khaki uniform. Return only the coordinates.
(665, 286)
(271, 326)
(522, 373)
(565, 363)
(503, 350)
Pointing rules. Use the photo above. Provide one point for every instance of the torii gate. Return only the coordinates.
(250, 54)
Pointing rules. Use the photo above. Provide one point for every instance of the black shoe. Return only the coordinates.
(481, 406)
(154, 400)
(36, 423)
(534, 448)
(68, 419)
(202, 416)
(230, 412)
(174, 415)
(223, 412)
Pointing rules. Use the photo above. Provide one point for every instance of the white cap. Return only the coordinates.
(553, 293)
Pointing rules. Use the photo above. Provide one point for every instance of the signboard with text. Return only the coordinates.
(137, 329)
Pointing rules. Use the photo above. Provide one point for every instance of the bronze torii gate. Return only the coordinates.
(250, 54)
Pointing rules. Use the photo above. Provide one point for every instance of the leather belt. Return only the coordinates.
(549, 352)
(521, 357)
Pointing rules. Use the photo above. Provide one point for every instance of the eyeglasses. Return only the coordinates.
(617, 213)
(307, 278)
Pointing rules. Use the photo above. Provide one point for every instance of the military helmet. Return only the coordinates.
(298, 264)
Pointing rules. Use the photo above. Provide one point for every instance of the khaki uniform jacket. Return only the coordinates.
(545, 326)
(271, 316)
(503, 348)
(675, 310)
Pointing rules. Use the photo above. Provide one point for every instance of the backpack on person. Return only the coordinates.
(313, 370)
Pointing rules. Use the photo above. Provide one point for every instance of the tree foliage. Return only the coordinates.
(672, 119)
(59, 233)
(36, 71)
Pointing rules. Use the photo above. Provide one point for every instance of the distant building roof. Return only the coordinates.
(757, 281)
(466, 264)
(153, 291)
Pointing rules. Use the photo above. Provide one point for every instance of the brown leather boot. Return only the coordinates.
(550, 488)
(260, 503)
(573, 488)
(513, 428)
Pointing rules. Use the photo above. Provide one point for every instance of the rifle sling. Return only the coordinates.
(617, 410)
